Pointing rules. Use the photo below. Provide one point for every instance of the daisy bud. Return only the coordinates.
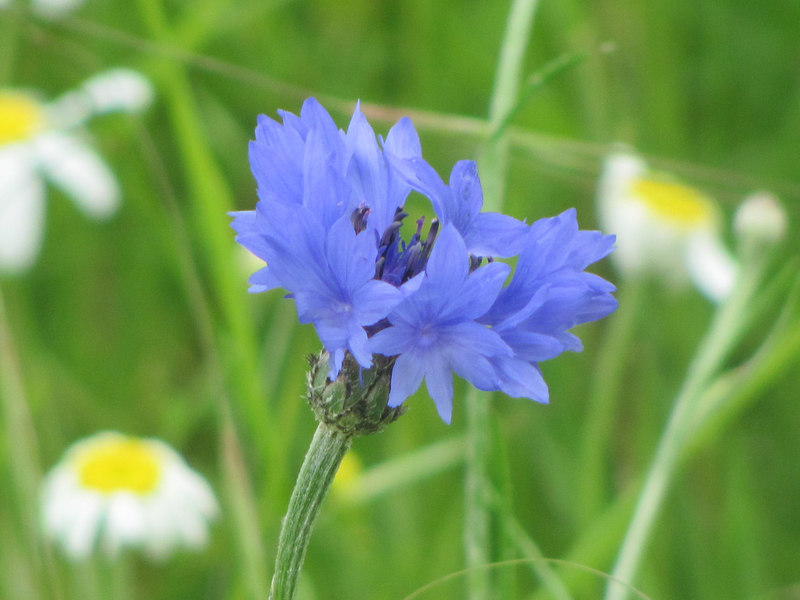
(760, 219)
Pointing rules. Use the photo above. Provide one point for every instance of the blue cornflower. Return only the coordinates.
(328, 226)
(434, 331)
(312, 180)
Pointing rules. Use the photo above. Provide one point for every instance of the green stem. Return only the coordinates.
(122, 579)
(602, 405)
(211, 200)
(476, 507)
(477, 487)
(723, 333)
(505, 96)
(23, 451)
(322, 460)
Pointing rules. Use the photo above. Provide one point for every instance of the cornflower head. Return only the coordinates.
(328, 224)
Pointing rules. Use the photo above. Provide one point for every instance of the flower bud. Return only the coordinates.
(760, 220)
(355, 403)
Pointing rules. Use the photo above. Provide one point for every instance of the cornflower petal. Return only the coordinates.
(448, 265)
(374, 183)
(548, 294)
(276, 161)
(532, 346)
(248, 233)
(439, 381)
(366, 170)
(350, 256)
(394, 340)
(480, 290)
(325, 193)
(375, 299)
(407, 376)
(485, 234)
(521, 379)
(402, 141)
(316, 118)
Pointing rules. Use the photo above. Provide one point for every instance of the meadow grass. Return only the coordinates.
(143, 324)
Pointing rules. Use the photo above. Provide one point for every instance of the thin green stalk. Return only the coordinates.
(20, 436)
(722, 334)
(747, 382)
(477, 485)
(234, 350)
(241, 499)
(504, 98)
(712, 410)
(535, 82)
(603, 398)
(87, 580)
(211, 200)
(505, 95)
(595, 545)
(322, 460)
(122, 582)
(236, 480)
(541, 569)
(23, 453)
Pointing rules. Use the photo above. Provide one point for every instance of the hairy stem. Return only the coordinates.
(322, 460)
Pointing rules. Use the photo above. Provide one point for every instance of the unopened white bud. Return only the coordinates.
(118, 90)
(760, 219)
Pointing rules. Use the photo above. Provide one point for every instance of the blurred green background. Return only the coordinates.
(143, 324)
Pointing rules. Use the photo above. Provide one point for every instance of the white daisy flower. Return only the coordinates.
(663, 227)
(42, 142)
(121, 491)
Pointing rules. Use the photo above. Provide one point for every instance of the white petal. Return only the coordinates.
(78, 170)
(711, 267)
(125, 522)
(198, 493)
(622, 216)
(22, 197)
(59, 494)
(87, 515)
(54, 8)
(161, 536)
(118, 90)
(191, 528)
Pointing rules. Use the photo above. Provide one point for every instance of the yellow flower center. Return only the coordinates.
(120, 463)
(20, 117)
(680, 204)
